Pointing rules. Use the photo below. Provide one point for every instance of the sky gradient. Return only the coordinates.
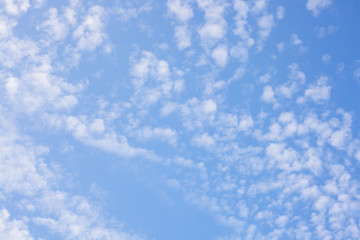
(179, 119)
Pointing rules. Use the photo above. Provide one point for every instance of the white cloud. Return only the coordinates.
(282, 220)
(203, 140)
(245, 123)
(220, 55)
(265, 24)
(183, 37)
(167, 109)
(357, 155)
(290, 147)
(286, 117)
(322, 203)
(280, 12)
(280, 47)
(173, 183)
(108, 142)
(132, 9)
(196, 113)
(183, 12)
(76, 218)
(57, 25)
(265, 78)
(181, 9)
(209, 106)
(39, 3)
(310, 193)
(13, 229)
(90, 34)
(16, 7)
(26, 174)
(240, 51)
(228, 126)
(71, 11)
(357, 74)
(295, 39)
(212, 87)
(314, 162)
(319, 92)
(268, 94)
(259, 6)
(97, 126)
(6, 26)
(212, 32)
(164, 134)
(215, 26)
(340, 137)
(37, 89)
(13, 50)
(316, 6)
(242, 9)
(148, 67)
(296, 79)
(326, 58)
(323, 31)
(153, 80)
(282, 157)
(22, 170)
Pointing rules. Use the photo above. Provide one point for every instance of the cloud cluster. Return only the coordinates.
(258, 144)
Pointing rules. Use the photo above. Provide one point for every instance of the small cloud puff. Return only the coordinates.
(316, 6)
(295, 40)
(280, 12)
(220, 55)
(326, 58)
(357, 74)
(265, 24)
(203, 140)
(319, 92)
(182, 37)
(268, 95)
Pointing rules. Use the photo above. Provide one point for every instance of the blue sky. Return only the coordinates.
(179, 119)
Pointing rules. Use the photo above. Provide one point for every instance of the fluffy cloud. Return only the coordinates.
(289, 168)
(268, 95)
(14, 229)
(316, 6)
(241, 18)
(280, 12)
(56, 26)
(265, 24)
(183, 37)
(16, 7)
(163, 134)
(296, 80)
(295, 39)
(220, 55)
(203, 140)
(326, 58)
(183, 12)
(215, 27)
(153, 80)
(181, 9)
(90, 34)
(319, 92)
(27, 176)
